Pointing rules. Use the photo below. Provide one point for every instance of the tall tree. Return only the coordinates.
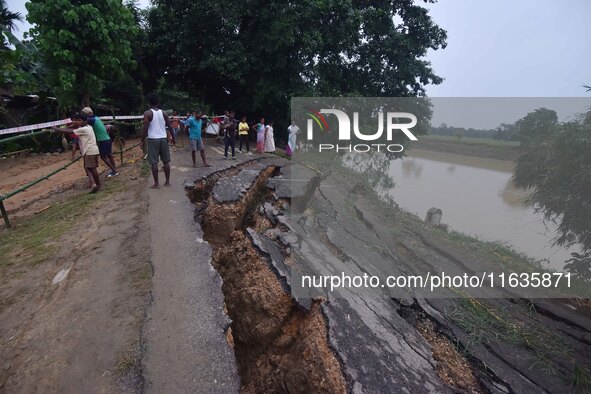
(536, 126)
(83, 43)
(8, 21)
(15, 63)
(255, 55)
(22, 69)
(124, 90)
(7, 17)
(557, 169)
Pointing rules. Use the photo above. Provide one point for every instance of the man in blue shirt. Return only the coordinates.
(194, 123)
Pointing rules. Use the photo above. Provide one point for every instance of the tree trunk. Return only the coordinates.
(85, 99)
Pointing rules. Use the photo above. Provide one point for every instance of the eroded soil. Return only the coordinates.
(279, 346)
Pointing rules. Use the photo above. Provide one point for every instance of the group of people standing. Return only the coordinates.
(229, 129)
(158, 130)
(265, 139)
(264, 133)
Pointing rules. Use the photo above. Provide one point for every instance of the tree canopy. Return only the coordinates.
(252, 56)
(557, 167)
(83, 43)
(255, 55)
(8, 20)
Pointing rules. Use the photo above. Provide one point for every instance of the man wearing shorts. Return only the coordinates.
(88, 147)
(103, 141)
(194, 124)
(155, 132)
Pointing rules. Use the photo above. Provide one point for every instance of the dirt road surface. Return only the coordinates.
(89, 316)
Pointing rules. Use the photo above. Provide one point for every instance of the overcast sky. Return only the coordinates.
(500, 48)
(513, 48)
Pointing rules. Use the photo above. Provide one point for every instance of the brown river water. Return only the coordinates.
(478, 198)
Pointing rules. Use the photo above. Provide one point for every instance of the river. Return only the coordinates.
(478, 198)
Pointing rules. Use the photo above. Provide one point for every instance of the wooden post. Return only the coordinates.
(118, 137)
(120, 148)
(4, 214)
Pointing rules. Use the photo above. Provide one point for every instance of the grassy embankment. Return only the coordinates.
(32, 240)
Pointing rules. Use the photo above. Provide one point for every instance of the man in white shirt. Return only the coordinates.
(292, 132)
(155, 127)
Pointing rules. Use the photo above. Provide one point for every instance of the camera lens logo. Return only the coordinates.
(318, 118)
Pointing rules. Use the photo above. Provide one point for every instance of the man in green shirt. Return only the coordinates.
(103, 141)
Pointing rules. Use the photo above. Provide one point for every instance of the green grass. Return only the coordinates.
(144, 169)
(487, 324)
(509, 260)
(469, 140)
(507, 256)
(32, 239)
(581, 380)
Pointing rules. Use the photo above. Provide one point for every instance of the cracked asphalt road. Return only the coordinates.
(186, 346)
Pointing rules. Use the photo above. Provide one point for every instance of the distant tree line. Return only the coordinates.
(451, 131)
(536, 124)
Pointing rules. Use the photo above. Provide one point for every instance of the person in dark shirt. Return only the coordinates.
(230, 126)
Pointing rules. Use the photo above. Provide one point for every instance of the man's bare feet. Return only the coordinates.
(167, 184)
(155, 187)
(207, 165)
(94, 189)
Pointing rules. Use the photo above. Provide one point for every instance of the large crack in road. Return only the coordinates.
(356, 343)
(280, 346)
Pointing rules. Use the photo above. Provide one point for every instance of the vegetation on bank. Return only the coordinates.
(556, 168)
